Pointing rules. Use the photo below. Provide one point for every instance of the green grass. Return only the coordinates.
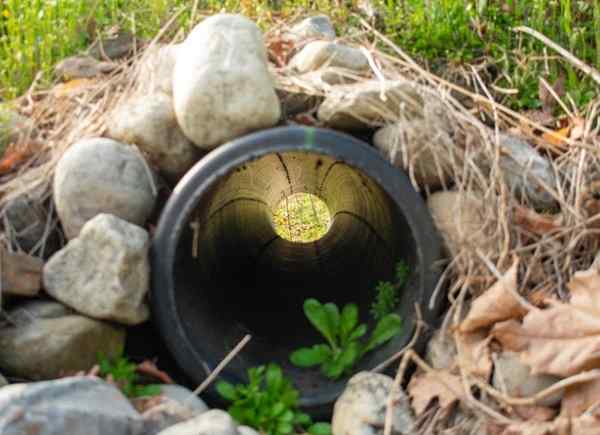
(301, 218)
(444, 34)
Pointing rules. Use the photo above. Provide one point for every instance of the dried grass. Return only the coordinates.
(548, 259)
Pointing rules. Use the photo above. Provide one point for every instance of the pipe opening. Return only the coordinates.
(301, 218)
(248, 279)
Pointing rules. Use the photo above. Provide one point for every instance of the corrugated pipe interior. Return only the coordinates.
(220, 271)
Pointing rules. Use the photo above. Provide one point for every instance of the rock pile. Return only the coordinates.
(191, 98)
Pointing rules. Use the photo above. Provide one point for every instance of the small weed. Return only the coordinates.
(343, 334)
(123, 373)
(387, 294)
(269, 403)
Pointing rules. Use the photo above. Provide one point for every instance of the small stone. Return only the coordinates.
(370, 104)
(120, 45)
(361, 408)
(214, 422)
(460, 219)
(45, 340)
(101, 176)
(184, 396)
(149, 122)
(419, 146)
(222, 86)
(82, 67)
(155, 71)
(441, 350)
(523, 166)
(3, 381)
(14, 128)
(71, 406)
(515, 378)
(103, 273)
(294, 103)
(165, 414)
(317, 27)
(320, 54)
(21, 273)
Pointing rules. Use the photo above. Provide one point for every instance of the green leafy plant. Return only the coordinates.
(387, 293)
(123, 373)
(269, 403)
(343, 334)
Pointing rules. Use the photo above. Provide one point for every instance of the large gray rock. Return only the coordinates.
(222, 87)
(14, 128)
(45, 340)
(361, 408)
(71, 406)
(214, 422)
(149, 122)
(526, 171)
(103, 273)
(319, 54)
(515, 379)
(101, 176)
(370, 104)
(317, 27)
(420, 146)
(155, 70)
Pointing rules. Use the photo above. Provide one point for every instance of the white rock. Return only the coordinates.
(46, 340)
(104, 272)
(246, 430)
(460, 219)
(361, 409)
(514, 377)
(184, 396)
(222, 87)
(149, 122)
(101, 176)
(214, 422)
(71, 406)
(319, 54)
(524, 168)
(155, 70)
(370, 104)
(317, 27)
(417, 144)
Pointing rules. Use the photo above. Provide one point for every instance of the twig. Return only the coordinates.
(217, 371)
(566, 54)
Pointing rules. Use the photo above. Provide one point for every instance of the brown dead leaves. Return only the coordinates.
(442, 385)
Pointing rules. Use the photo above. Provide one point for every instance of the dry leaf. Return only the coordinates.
(474, 353)
(584, 425)
(147, 367)
(563, 339)
(534, 222)
(557, 137)
(496, 304)
(578, 128)
(440, 384)
(579, 398)
(72, 87)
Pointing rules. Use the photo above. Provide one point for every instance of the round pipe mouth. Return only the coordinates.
(220, 271)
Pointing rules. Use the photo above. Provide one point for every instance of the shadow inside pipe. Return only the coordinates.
(234, 275)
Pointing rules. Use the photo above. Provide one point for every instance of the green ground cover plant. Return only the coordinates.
(449, 36)
(123, 373)
(269, 402)
(387, 294)
(344, 346)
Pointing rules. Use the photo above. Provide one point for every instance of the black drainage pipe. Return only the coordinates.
(220, 271)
